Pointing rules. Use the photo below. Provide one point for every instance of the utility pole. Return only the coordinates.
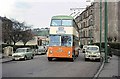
(106, 32)
(100, 24)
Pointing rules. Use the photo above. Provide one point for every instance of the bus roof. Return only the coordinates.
(62, 17)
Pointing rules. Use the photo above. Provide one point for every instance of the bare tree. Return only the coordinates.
(14, 31)
(26, 36)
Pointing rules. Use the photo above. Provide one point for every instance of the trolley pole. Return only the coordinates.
(100, 24)
(106, 32)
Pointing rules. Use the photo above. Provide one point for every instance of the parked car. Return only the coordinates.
(23, 53)
(84, 48)
(41, 50)
(92, 53)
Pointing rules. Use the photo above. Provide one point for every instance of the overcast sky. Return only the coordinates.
(38, 12)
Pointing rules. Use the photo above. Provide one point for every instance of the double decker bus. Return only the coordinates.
(64, 38)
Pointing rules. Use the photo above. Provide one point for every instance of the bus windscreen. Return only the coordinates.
(60, 41)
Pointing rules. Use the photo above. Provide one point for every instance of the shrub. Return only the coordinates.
(112, 45)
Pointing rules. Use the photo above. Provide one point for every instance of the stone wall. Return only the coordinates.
(118, 21)
(112, 12)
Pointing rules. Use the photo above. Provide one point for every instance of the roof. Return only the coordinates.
(62, 17)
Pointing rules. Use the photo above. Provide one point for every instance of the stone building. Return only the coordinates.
(6, 28)
(85, 23)
(89, 23)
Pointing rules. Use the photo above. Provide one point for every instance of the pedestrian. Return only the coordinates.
(109, 50)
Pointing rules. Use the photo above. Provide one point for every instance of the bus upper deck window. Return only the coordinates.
(66, 22)
(56, 23)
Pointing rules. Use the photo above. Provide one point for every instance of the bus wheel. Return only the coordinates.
(73, 57)
(49, 59)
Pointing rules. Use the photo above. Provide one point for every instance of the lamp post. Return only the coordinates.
(106, 31)
(100, 24)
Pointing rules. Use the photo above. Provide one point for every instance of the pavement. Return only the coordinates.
(6, 59)
(111, 69)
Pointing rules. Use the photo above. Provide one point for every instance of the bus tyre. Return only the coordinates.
(73, 57)
(49, 59)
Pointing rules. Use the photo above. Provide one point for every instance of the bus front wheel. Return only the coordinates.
(73, 57)
(49, 59)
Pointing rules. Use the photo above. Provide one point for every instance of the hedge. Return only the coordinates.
(112, 45)
(115, 47)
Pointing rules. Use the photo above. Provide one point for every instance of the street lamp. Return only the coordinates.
(100, 24)
(106, 32)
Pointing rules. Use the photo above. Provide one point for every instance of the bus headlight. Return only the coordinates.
(50, 51)
(68, 53)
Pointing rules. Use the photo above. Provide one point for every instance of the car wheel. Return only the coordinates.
(98, 60)
(13, 59)
(32, 56)
(86, 59)
(25, 58)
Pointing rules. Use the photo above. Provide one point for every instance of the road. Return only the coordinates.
(40, 67)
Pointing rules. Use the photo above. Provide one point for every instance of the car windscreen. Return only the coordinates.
(20, 50)
(92, 48)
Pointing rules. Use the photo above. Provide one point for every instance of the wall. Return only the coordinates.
(112, 21)
(118, 21)
(0, 30)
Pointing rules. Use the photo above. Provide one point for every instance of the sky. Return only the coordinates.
(39, 12)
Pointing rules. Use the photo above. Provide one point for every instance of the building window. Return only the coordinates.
(83, 24)
(80, 18)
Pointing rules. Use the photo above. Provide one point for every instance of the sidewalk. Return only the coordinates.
(110, 69)
(6, 59)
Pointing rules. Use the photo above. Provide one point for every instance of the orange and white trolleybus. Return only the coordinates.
(63, 38)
